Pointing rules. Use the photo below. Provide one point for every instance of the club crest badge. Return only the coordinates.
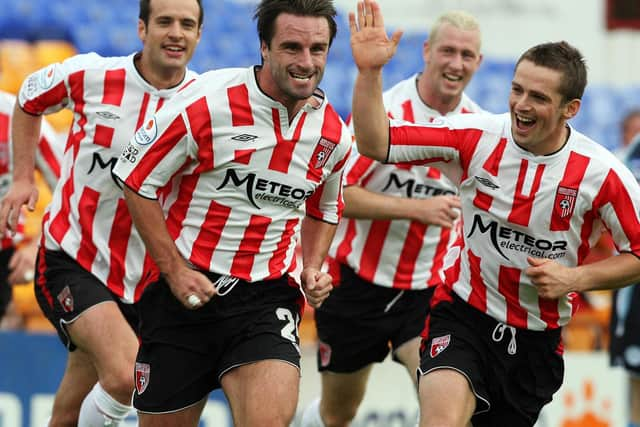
(322, 152)
(143, 372)
(66, 299)
(439, 344)
(324, 350)
(565, 201)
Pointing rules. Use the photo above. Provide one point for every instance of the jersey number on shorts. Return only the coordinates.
(290, 330)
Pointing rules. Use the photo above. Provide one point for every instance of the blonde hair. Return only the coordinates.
(458, 18)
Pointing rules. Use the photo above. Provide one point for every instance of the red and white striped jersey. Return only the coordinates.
(516, 204)
(88, 217)
(402, 254)
(48, 158)
(242, 176)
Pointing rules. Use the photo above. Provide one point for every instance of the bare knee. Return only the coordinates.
(340, 415)
(119, 385)
(68, 418)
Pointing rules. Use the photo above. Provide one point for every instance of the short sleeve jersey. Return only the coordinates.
(516, 205)
(400, 253)
(88, 217)
(235, 176)
(48, 158)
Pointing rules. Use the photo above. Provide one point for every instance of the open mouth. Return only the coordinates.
(174, 50)
(524, 123)
(452, 77)
(301, 77)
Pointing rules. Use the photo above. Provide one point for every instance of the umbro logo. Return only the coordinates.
(244, 137)
(486, 182)
(107, 115)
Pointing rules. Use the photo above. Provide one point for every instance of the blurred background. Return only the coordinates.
(34, 33)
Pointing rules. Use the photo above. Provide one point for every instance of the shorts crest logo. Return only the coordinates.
(143, 372)
(439, 344)
(66, 299)
(324, 350)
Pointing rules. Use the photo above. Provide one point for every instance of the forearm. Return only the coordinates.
(360, 203)
(25, 134)
(316, 237)
(610, 273)
(370, 121)
(149, 220)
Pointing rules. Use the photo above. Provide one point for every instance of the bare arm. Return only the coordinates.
(371, 49)
(184, 281)
(555, 280)
(25, 134)
(360, 203)
(316, 237)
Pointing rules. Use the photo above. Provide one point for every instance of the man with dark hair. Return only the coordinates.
(389, 249)
(92, 266)
(534, 195)
(254, 155)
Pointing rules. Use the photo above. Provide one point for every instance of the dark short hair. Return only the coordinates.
(268, 10)
(145, 12)
(566, 59)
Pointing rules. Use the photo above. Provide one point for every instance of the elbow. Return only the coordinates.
(375, 152)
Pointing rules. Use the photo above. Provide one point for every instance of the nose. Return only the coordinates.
(175, 30)
(305, 59)
(457, 62)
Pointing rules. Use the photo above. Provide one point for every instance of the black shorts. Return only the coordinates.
(184, 353)
(513, 372)
(359, 320)
(64, 290)
(624, 344)
(5, 287)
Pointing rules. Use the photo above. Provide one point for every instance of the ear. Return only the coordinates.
(571, 108)
(142, 30)
(263, 49)
(426, 47)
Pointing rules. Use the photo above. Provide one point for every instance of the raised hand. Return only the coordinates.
(370, 46)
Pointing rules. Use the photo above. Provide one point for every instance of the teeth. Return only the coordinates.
(524, 119)
(174, 49)
(452, 77)
(300, 77)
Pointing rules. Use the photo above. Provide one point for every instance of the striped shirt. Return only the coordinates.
(241, 175)
(399, 253)
(48, 158)
(88, 217)
(516, 204)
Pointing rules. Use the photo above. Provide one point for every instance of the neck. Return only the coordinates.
(159, 78)
(442, 104)
(271, 89)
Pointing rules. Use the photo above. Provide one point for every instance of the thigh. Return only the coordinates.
(187, 417)
(263, 393)
(65, 292)
(103, 333)
(344, 392)
(446, 398)
(409, 355)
